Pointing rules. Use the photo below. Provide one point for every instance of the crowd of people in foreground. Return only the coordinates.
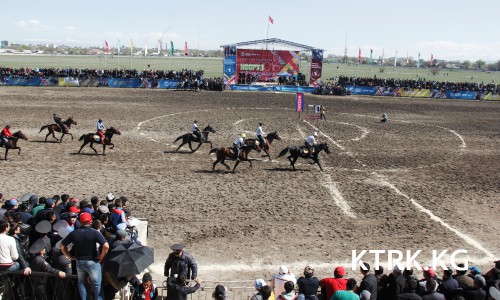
(59, 234)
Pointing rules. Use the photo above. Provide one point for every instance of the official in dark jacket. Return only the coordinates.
(180, 262)
(177, 288)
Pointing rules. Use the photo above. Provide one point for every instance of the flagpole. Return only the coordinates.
(267, 35)
(118, 50)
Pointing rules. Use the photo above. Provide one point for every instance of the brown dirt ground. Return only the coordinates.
(442, 154)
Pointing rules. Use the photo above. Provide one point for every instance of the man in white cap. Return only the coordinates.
(237, 144)
(278, 280)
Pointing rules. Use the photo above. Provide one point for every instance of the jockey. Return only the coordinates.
(100, 128)
(58, 120)
(196, 130)
(384, 118)
(260, 135)
(311, 142)
(237, 144)
(5, 135)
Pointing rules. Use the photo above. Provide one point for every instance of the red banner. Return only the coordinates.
(266, 64)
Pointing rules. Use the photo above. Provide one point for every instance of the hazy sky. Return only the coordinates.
(448, 29)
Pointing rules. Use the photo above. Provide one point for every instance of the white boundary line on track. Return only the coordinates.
(422, 209)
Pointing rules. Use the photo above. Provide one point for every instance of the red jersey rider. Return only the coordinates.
(100, 129)
(5, 135)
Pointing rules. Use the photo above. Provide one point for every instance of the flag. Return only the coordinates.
(359, 55)
(106, 47)
(418, 61)
(131, 46)
(407, 58)
(271, 20)
(171, 48)
(118, 42)
(159, 46)
(382, 57)
(146, 49)
(371, 52)
(186, 53)
(395, 57)
(432, 60)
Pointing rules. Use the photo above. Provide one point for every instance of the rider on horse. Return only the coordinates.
(5, 135)
(100, 129)
(260, 135)
(311, 142)
(237, 144)
(384, 118)
(60, 123)
(196, 131)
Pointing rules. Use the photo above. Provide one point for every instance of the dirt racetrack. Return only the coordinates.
(428, 179)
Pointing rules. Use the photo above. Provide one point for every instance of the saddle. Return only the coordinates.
(97, 138)
(305, 150)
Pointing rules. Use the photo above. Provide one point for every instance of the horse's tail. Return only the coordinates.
(43, 127)
(178, 138)
(82, 137)
(213, 150)
(283, 152)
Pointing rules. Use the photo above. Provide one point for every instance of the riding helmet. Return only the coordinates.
(315, 133)
(243, 135)
(260, 124)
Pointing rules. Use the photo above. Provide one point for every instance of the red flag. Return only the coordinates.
(359, 55)
(186, 49)
(271, 20)
(432, 59)
(106, 48)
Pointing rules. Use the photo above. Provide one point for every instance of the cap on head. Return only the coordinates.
(243, 135)
(37, 246)
(260, 124)
(43, 226)
(86, 218)
(475, 270)
(340, 271)
(315, 133)
(110, 196)
(121, 233)
(100, 120)
(259, 283)
(283, 269)
(147, 277)
(195, 121)
(308, 271)
(177, 247)
(429, 271)
(74, 209)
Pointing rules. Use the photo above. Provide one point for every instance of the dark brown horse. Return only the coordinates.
(224, 153)
(93, 138)
(12, 142)
(269, 139)
(56, 128)
(302, 151)
(189, 138)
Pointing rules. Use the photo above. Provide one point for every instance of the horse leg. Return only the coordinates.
(53, 135)
(92, 146)
(60, 141)
(104, 149)
(293, 162)
(18, 152)
(235, 165)
(317, 161)
(6, 151)
(224, 163)
(112, 146)
(179, 147)
(84, 143)
(47, 136)
(213, 166)
(210, 144)
(199, 145)
(71, 136)
(190, 146)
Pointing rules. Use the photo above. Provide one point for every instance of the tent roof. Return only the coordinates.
(271, 44)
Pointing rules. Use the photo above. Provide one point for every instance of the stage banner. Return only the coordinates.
(68, 81)
(265, 64)
(168, 84)
(123, 82)
(362, 90)
(387, 91)
(4, 80)
(316, 67)
(24, 81)
(102, 81)
(299, 102)
(416, 93)
(229, 66)
(464, 95)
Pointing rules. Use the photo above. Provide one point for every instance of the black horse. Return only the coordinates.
(269, 139)
(302, 151)
(224, 153)
(188, 138)
(56, 128)
(92, 138)
(12, 142)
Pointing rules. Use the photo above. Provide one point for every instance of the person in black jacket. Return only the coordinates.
(180, 262)
(178, 289)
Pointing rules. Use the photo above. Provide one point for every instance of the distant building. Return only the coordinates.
(4, 44)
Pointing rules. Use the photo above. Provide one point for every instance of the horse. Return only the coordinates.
(302, 151)
(223, 153)
(188, 138)
(92, 138)
(54, 127)
(269, 139)
(12, 142)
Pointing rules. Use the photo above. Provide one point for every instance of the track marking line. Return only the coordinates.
(337, 196)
